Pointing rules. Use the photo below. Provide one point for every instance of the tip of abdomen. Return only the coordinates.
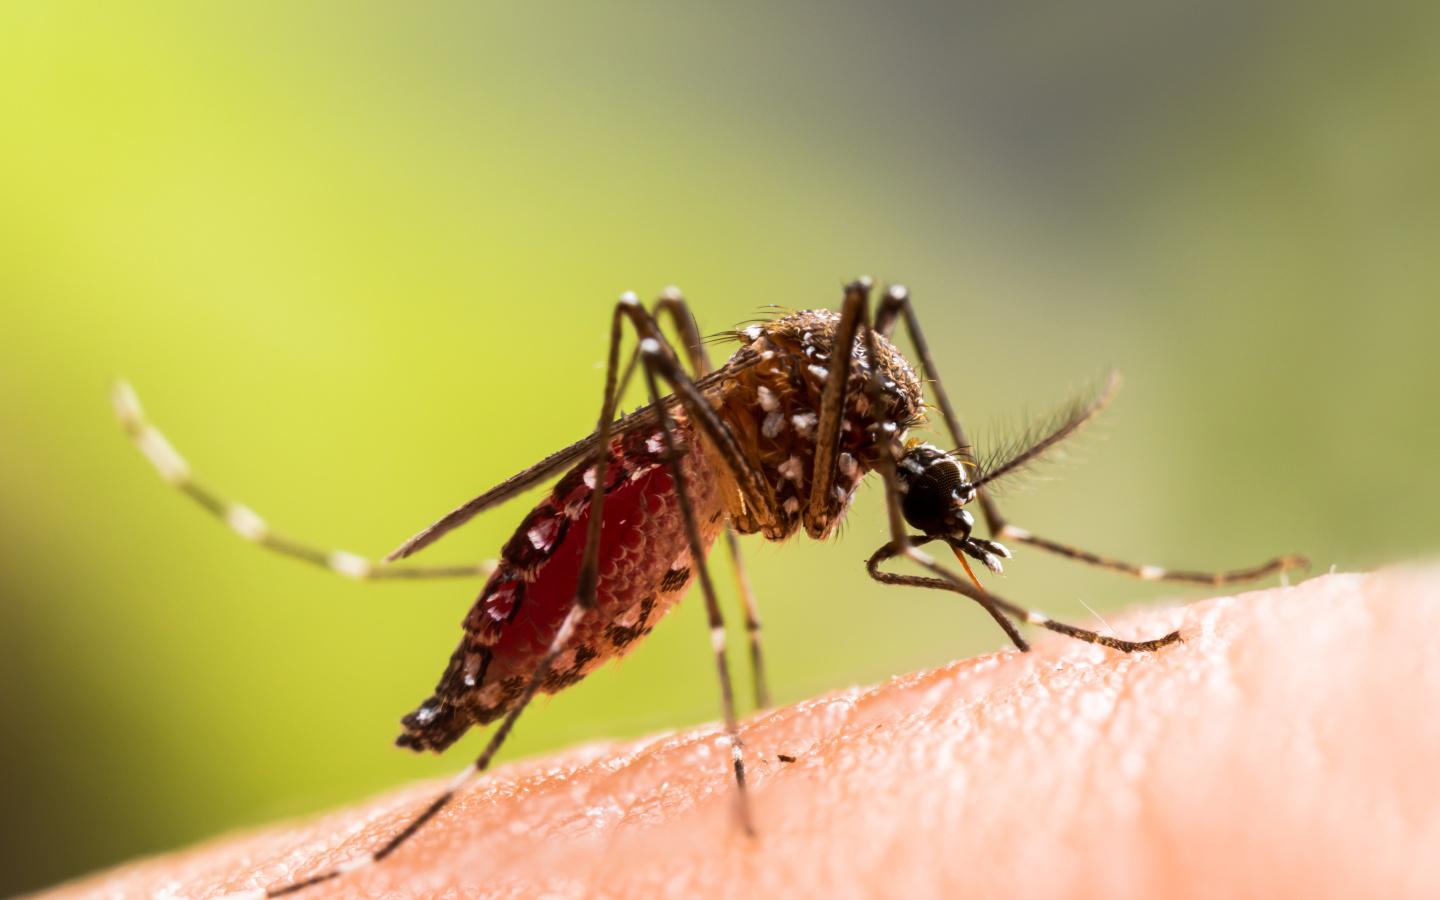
(434, 726)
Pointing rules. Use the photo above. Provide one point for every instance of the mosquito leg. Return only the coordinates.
(481, 763)
(889, 551)
(560, 459)
(752, 620)
(897, 304)
(996, 605)
(244, 521)
(650, 349)
(585, 591)
(672, 303)
(689, 396)
(854, 315)
(1149, 572)
(903, 544)
(566, 457)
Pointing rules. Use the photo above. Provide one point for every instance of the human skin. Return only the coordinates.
(1289, 747)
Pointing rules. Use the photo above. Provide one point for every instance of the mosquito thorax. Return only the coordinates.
(935, 490)
(773, 406)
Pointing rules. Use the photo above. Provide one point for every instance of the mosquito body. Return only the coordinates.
(768, 396)
(773, 442)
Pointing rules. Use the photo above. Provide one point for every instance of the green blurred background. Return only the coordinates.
(358, 264)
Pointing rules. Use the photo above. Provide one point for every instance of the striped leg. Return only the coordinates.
(672, 303)
(655, 358)
(246, 522)
(998, 607)
(586, 586)
(897, 305)
(1153, 573)
(903, 544)
(562, 637)
(651, 350)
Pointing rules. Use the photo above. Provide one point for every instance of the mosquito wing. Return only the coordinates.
(643, 418)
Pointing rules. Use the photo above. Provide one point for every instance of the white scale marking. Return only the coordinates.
(127, 403)
(461, 779)
(792, 469)
(542, 535)
(1151, 573)
(349, 565)
(245, 522)
(165, 458)
(767, 399)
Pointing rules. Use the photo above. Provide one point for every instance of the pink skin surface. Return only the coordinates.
(1290, 747)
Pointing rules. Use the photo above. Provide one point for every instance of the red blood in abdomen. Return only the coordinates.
(641, 540)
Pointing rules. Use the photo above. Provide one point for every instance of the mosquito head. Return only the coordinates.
(936, 489)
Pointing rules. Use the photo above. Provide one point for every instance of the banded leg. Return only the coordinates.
(1149, 572)
(662, 360)
(651, 351)
(672, 303)
(903, 544)
(584, 601)
(897, 305)
(629, 309)
(481, 763)
(997, 606)
(752, 620)
(248, 524)
(551, 465)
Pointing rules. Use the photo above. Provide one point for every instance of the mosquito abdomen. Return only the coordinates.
(645, 568)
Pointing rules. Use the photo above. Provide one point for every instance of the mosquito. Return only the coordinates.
(773, 442)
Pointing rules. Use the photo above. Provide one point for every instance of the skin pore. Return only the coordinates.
(1288, 747)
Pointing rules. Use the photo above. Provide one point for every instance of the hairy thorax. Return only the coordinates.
(772, 404)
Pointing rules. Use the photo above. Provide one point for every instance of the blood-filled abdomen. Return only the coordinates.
(645, 566)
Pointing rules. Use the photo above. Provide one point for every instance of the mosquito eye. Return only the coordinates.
(935, 492)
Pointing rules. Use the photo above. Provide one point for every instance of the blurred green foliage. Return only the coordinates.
(358, 259)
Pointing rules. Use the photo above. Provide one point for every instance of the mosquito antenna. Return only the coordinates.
(1040, 440)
